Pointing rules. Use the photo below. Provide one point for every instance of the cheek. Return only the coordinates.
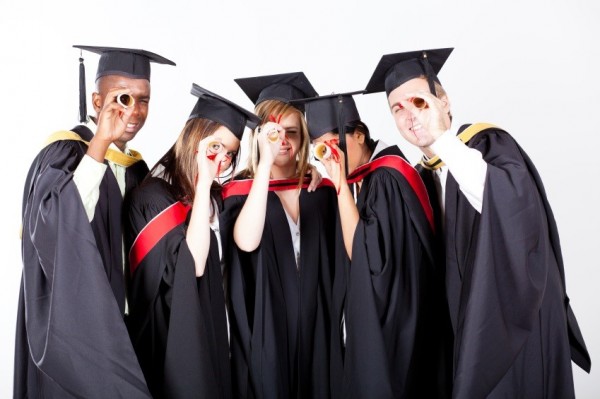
(401, 120)
(225, 164)
(294, 141)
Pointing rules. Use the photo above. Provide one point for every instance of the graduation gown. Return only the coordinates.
(279, 310)
(177, 321)
(515, 332)
(71, 340)
(387, 297)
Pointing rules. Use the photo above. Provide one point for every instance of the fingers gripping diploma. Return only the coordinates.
(211, 158)
(335, 165)
(270, 137)
(113, 117)
(429, 116)
(112, 124)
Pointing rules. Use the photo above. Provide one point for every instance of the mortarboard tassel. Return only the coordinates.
(429, 72)
(342, 133)
(82, 95)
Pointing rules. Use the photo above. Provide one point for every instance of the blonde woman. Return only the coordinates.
(282, 252)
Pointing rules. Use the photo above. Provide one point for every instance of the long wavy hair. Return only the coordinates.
(274, 107)
(179, 166)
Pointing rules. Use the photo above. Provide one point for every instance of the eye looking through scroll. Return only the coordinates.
(125, 100)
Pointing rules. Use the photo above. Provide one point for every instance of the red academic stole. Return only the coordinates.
(242, 187)
(410, 174)
(154, 231)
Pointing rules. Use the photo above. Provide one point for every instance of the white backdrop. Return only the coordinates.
(529, 67)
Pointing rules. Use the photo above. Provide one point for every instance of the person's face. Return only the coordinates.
(292, 139)
(355, 147)
(140, 90)
(408, 125)
(231, 145)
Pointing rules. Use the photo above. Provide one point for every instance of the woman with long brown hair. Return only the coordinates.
(177, 320)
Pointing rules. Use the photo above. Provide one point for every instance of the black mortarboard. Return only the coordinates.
(221, 110)
(326, 113)
(131, 63)
(284, 87)
(395, 69)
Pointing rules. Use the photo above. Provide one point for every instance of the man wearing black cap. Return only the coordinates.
(71, 338)
(514, 331)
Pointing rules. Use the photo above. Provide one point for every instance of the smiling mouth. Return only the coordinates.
(416, 126)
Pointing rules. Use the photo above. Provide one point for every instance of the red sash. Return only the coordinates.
(410, 174)
(242, 187)
(155, 230)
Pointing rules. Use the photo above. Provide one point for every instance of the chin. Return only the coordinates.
(282, 162)
(128, 136)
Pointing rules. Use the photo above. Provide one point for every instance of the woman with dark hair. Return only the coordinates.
(177, 314)
(384, 342)
(281, 254)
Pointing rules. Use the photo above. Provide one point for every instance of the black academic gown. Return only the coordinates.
(386, 296)
(177, 321)
(515, 332)
(279, 310)
(71, 340)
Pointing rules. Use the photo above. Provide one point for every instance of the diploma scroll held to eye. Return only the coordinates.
(213, 148)
(322, 151)
(125, 100)
(419, 102)
(273, 135)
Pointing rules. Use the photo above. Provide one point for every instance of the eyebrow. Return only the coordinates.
(396, 105)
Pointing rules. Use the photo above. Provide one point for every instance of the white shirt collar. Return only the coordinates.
(378, 148)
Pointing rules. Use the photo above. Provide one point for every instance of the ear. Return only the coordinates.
(97, 102)
(359, 137)
(446, 103)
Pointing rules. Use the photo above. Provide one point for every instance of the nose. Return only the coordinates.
(283, 136)
(136, 108)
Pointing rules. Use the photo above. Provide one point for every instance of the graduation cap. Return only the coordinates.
(284, 87)
(221, 110)
(329, 113)
(395, 69)
(131, 63)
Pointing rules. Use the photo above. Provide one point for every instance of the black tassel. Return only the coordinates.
(82, 95)
(429, 72)
(342, 131)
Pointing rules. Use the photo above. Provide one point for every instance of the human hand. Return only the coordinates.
(315, 178)
(335, 165)
(430, 118)
(113, 117)
(210, 157)
(270, 137)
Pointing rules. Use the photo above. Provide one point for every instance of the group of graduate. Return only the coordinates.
(194, 279)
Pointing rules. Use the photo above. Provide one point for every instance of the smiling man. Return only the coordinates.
(514, 331)
(71, 338)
